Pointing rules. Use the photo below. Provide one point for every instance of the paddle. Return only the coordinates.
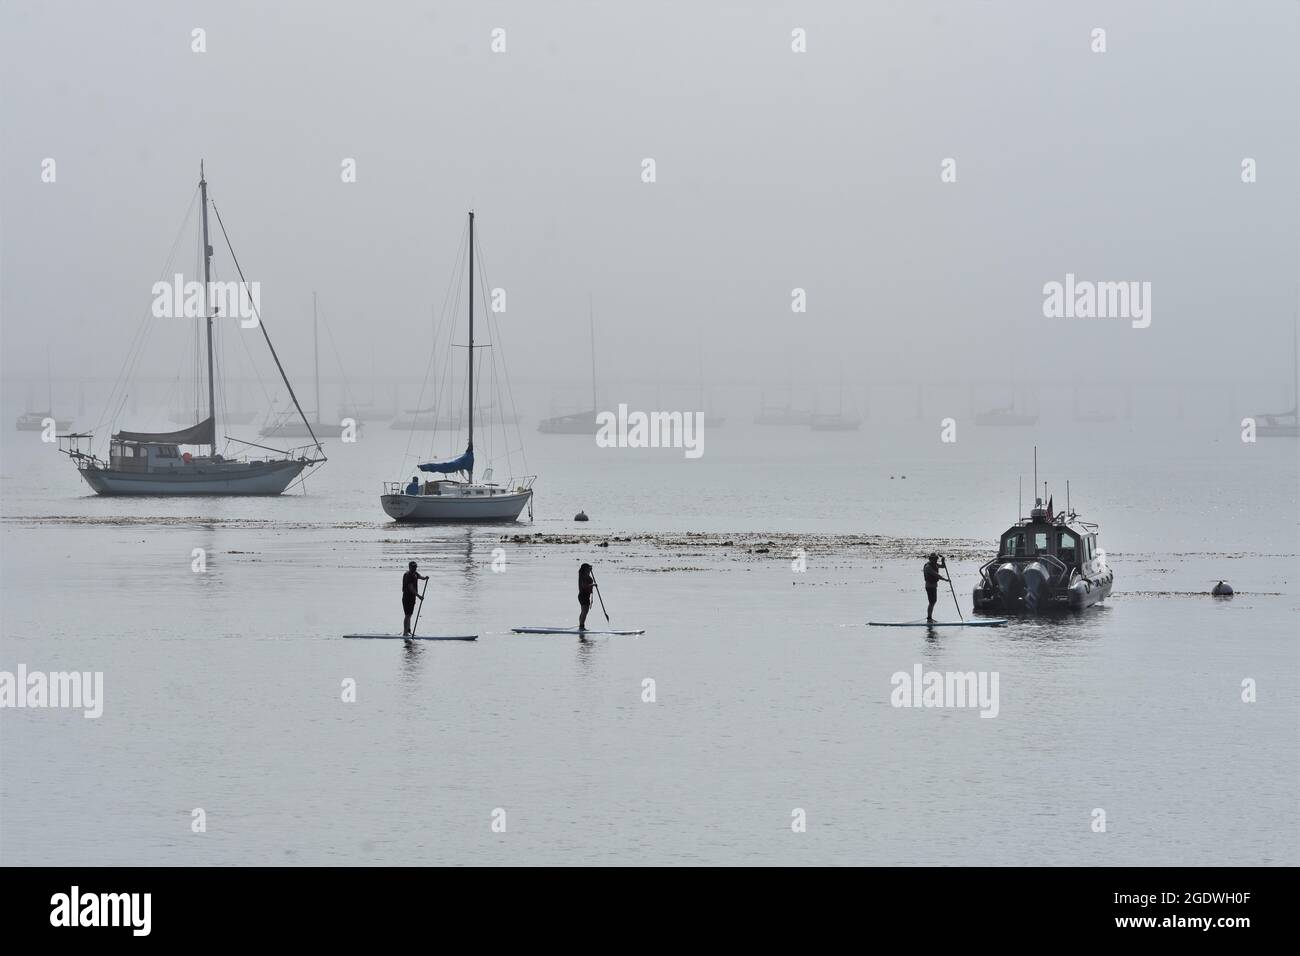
(601, 599)
(952, 589)
(420, 608)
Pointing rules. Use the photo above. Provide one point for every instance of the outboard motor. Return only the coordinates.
(1037, 579)
(1007, 579)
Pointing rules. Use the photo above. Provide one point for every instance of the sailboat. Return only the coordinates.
(839, 421)
(449, 500)
(428, 419)
(35, 421)
(368, 410)
(152, 463)
(706, 401)
(1284, 424)
(783, 416)
(318, 428)
(577, 423)
(1008, 415)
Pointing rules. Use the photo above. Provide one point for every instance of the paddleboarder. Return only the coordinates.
(410, 594)
(932, 579)
(586, 581)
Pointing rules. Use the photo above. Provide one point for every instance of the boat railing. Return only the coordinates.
(70, 445)
(511, 485)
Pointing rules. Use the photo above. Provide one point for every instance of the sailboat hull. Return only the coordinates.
(454, 509)
(582, 423)
(227, 478)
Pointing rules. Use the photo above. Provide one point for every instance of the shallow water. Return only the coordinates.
(223, 687)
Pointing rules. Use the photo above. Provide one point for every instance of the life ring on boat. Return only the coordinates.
(187, 457)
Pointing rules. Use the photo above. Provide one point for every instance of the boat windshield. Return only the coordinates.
(1066, 547)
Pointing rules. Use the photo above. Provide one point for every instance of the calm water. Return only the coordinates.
(223, 688)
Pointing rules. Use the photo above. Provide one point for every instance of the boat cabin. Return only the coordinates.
(1072, 546)
(149, 456)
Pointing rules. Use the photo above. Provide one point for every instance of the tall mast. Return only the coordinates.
(315, 345)
(591, 319)
(207, 307)
(471, 341)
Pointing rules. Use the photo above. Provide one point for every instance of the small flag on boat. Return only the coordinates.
(1049, 509)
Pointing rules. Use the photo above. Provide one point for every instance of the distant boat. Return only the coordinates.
(35, 421)
(1284, 424)
(428, 420)
(448, 500)
(1088, 415)
(1006, 416)
(706, 401)
(577, 423)
(237, 417)
(838, 421)
(369, 411)
(783, 416)
(152, 463)
(300, 429)
(415, 420)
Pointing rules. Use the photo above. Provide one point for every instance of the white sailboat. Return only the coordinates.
(450, 500)
(152, 463)
(35, 421)
(584, 422)
(837, 421)
(318, 428)
(1284, 424)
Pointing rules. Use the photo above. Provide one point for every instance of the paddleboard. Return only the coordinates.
(568, 630)
(982, 622)
(415, 637)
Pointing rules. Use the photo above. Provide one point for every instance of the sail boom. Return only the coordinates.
(464, 463)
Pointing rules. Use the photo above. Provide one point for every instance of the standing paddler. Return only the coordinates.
(932, 579)
(586, 581)
(410, 594)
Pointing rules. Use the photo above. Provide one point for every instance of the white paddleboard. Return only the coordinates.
(982, 622)
(415, 637)
(568, 630)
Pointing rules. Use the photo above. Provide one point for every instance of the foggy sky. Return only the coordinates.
(775, 170)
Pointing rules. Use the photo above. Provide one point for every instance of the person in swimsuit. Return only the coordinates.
(586, 581)
(932, 579)
(410, 594)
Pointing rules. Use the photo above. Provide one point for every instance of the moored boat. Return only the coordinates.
(1045, 562)
(153, 463)
(35, 422)
(583, 422)
(455, 500)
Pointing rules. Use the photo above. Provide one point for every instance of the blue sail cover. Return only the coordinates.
(464, 463)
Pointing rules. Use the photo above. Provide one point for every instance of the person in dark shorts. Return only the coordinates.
(932, 579)
(410, 594)
(586, 581)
